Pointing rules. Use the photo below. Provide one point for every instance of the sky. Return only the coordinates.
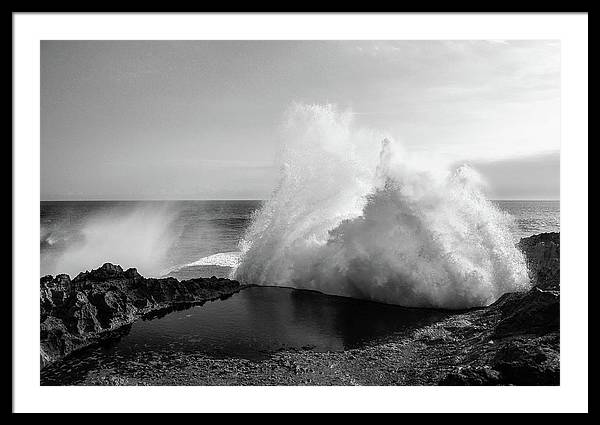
(201, 119)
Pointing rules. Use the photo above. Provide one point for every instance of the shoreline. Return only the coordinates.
(514, 341)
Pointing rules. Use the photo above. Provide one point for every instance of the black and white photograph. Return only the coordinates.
(313, 212)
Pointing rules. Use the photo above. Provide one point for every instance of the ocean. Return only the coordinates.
(185, 239)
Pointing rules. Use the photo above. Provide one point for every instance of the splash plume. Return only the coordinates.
(357, 216)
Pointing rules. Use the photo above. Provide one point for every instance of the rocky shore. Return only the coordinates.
(514, 341)
(99, 304)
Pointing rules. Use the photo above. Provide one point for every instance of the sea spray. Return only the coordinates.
(355, 215)
(137, 236)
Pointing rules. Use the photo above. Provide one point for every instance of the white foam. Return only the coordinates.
(221, 259)
(354, 216)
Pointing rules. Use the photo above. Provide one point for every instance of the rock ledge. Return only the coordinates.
(97, 304)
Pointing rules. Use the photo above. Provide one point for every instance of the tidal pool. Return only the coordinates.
(252, 324)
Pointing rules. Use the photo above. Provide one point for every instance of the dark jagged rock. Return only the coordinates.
(543, 259)
(523, 339)
(95, 304)
(529, 361)
(538, 310)
(535, 312)
(472, 376)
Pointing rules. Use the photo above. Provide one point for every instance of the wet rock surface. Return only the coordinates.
(543, 259)
(97, 305)
(514, 341)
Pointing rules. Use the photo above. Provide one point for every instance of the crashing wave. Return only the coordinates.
(359, 217)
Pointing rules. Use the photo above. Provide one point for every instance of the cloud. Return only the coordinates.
(528, 177)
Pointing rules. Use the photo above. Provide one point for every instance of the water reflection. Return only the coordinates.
(251, 324)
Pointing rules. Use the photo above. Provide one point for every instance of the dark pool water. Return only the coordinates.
(251, 324)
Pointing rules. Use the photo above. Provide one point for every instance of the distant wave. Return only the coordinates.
(47, 237)
(221, 259)
(58, 238)
(47, 240)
